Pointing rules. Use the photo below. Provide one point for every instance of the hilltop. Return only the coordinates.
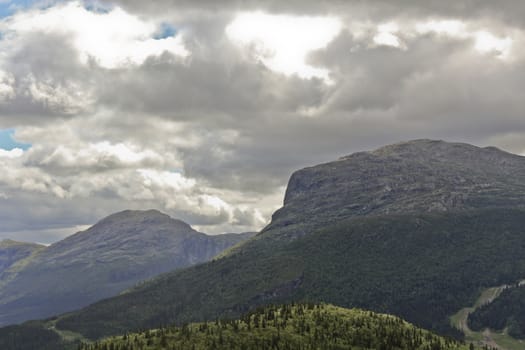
(289, 327)
(114, 254)
(418, 176)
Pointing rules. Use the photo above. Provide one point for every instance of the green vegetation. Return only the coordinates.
(304, 326)
(420, 267)
(507, 312)
(500, 340)
(30, 336)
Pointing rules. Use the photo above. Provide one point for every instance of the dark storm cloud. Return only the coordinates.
(207, 89)
(47, 80)
(511, 11)
(444, 83)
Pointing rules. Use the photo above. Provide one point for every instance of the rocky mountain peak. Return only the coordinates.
(111, 256)
(139, 223)
(139, 216)
(426, 149)
(414, 176)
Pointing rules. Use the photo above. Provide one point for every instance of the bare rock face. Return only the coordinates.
(416, 176)
(111, 256)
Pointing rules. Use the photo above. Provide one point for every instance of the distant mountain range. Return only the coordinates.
(11, 252)
(116, 253)
(415, 229)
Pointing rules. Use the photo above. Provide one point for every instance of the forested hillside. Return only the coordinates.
(288, 327)
(420, 267)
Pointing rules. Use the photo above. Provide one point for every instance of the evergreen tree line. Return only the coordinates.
(286, 327)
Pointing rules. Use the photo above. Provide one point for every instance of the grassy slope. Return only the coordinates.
(500, 340)
(29, 336)
(288, 327)
(505, 314)
(420, 267)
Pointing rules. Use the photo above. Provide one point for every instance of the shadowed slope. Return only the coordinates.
(12, 252)
(116, 253)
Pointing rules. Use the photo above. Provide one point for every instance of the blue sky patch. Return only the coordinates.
(166, 30)
(8, 143)
(7, 8)
(97, 7)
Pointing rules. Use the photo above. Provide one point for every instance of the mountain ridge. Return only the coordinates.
(416, 230)
(415, 176)
(321, 222)
(12, 252)
(114, 254)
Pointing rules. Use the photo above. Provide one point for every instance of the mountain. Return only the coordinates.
(410, 177)
(415, 229)
(12, 252)
(111, 256)
(288, 327)
(421, 267)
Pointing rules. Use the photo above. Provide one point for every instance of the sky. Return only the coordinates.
(203, 109)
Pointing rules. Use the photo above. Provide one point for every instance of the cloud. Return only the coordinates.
(37, 82)
(6, 87)
(386, 35)
(282, 42)
(207, 120)
(508, 11)
(94, 157)
(111, 39)
(14, 153)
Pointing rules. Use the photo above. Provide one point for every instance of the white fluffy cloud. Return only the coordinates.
(101, 155)
(484, 41)
(13, 153)
(112, 39)
(282, 41)
(386, 35)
